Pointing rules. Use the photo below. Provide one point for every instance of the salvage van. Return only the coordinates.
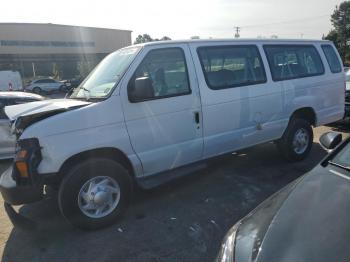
(153, 112)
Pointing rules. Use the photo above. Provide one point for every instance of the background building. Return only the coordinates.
(59, 51)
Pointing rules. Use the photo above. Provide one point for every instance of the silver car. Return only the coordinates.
(45, 85)
(7, 140)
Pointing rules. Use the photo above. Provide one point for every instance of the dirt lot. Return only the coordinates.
(181, 221)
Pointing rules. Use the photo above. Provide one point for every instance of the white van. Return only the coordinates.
(152, 112)
(10, 81)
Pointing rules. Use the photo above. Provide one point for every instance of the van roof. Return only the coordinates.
(249, 40)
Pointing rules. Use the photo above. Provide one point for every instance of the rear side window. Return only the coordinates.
(293, 61)
(231, 66)
(332, 58)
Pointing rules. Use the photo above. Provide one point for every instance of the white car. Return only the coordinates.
(7, 139)
(45, 85)
(153, 112)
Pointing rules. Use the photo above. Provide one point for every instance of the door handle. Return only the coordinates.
(196, 117)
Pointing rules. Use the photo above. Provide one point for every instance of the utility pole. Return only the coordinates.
(237, 29)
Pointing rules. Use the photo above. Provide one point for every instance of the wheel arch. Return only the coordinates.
(105, 152)
(306, 113)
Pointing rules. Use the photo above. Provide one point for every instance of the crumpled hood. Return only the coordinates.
(26, 114)
(50, 105)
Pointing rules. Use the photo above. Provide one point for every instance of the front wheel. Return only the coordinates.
(95, 193)
(297, 140)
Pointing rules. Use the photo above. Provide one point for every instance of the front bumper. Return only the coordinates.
(14, 194)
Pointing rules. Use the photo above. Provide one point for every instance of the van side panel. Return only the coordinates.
(241, 116)
(323, 93)
(99, 125)
(332, 105)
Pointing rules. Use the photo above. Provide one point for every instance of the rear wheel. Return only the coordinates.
(37, 90)
(95, 193)
(297, 140)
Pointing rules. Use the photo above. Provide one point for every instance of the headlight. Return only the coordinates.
(27, 159)
(227, 252)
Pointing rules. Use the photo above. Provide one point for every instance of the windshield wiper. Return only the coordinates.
(347, 168)
(85, 89)
(86, 97)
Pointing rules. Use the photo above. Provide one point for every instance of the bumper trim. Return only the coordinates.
(14, 194)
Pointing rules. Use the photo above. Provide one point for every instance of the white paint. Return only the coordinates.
(160, 135)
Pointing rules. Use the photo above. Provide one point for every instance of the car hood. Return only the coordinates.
(310, 223)
(26, 114)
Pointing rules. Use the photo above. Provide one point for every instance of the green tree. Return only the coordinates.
(147, 38)
(143, 39)
(340, 35)
(165, 38)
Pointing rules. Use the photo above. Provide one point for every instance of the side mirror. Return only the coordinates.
(330, 140)
(141, 90)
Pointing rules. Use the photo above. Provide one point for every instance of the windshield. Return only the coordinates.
(101, 81)
(343, 157)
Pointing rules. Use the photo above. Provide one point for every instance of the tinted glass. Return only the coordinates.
(231, 66)
(167, 70)
(288, 62)
(332, 58)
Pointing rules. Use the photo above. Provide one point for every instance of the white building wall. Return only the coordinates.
(60, 39)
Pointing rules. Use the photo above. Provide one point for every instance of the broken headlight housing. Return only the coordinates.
(27, 159)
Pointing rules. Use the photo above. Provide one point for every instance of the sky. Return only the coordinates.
(181, 19)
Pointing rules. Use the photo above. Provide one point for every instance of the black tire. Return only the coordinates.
(78, 176)
(37, 90)
(285, 144)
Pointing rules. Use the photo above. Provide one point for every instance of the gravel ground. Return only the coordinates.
(184, 220)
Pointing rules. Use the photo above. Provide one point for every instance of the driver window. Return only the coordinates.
(166, 68)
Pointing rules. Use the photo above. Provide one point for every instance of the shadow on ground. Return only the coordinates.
(184, 220)
(341, 126)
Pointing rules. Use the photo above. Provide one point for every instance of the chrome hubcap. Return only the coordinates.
(300, 141)
(99, 196)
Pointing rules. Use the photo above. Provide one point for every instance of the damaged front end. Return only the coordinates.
(21, 183)
(22, 122)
